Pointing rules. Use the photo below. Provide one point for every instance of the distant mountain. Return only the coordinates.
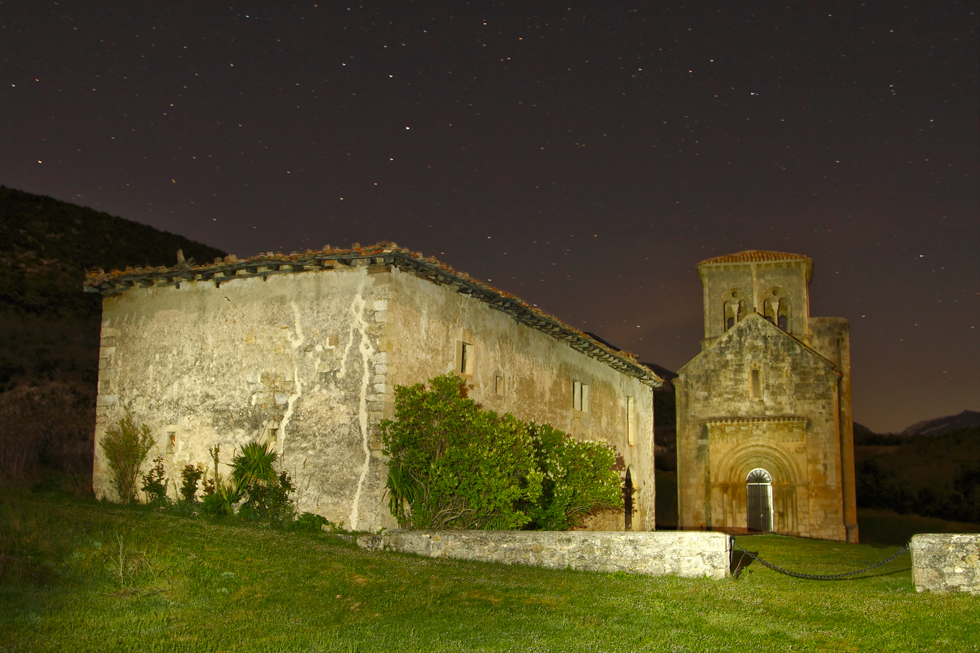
(968, 419)
(862, 431)
(49, 327)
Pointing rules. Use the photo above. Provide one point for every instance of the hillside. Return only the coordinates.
(931, 475)
(49, 327)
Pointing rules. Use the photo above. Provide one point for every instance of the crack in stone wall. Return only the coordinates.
(296, 342)
(366, 350)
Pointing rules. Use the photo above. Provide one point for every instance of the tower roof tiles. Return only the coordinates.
(755, 256)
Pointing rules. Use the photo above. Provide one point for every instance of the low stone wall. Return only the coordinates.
(946, 562)
(689, 554)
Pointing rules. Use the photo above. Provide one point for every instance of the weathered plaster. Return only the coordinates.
(310, 359)
(538, 373)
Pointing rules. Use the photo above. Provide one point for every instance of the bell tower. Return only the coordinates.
(773, 284)
(764, 427)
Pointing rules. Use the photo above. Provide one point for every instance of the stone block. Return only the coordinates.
(107, 400)
(678, 553)
(946, 562)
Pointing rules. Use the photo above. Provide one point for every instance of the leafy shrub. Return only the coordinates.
(155, 482)
(255, 491)
(219, 503)
(219, 496)
(455, 465)
(269, 500)
(125, 447)
(579, 479)
(190, 477)
(309, 523)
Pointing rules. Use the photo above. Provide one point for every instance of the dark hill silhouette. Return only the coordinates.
(49, 327)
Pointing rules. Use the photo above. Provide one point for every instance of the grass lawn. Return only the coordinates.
(76, 575)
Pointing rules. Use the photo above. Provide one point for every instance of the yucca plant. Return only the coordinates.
(404, 491)
(254, 465)
(264, 490)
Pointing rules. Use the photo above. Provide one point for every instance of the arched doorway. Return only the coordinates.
(628, 499)
(759, 493)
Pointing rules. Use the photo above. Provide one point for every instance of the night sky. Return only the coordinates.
(584, 156)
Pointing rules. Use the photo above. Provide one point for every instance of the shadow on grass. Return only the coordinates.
(741, 561)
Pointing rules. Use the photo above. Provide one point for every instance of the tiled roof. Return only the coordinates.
(383, 254)
(755, 256)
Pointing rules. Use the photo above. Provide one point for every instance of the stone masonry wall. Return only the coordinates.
(795, 384)
(516, 369)
(308, 361)
(690, 554)
(946, 562)
(297, 360)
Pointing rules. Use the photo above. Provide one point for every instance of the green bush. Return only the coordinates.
(125, 447)
(309, 523)
(269, 500)
(155, 483)
(219, 503)
(579, 479)
(190, 477)
(455, 465)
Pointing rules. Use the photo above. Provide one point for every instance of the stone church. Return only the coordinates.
(304, 351)
(764, 426)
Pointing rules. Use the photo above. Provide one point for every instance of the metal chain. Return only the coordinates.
(797, 574)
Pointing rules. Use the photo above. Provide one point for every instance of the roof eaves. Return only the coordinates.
(230, 268)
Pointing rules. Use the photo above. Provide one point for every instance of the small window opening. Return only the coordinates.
(756, 384)
(775, 308)
(466, 359)
(499, 386)
(580, 396)
(733, 310)
(630, 421)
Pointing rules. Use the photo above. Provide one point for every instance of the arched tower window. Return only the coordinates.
(776, 308)
(735, 306)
